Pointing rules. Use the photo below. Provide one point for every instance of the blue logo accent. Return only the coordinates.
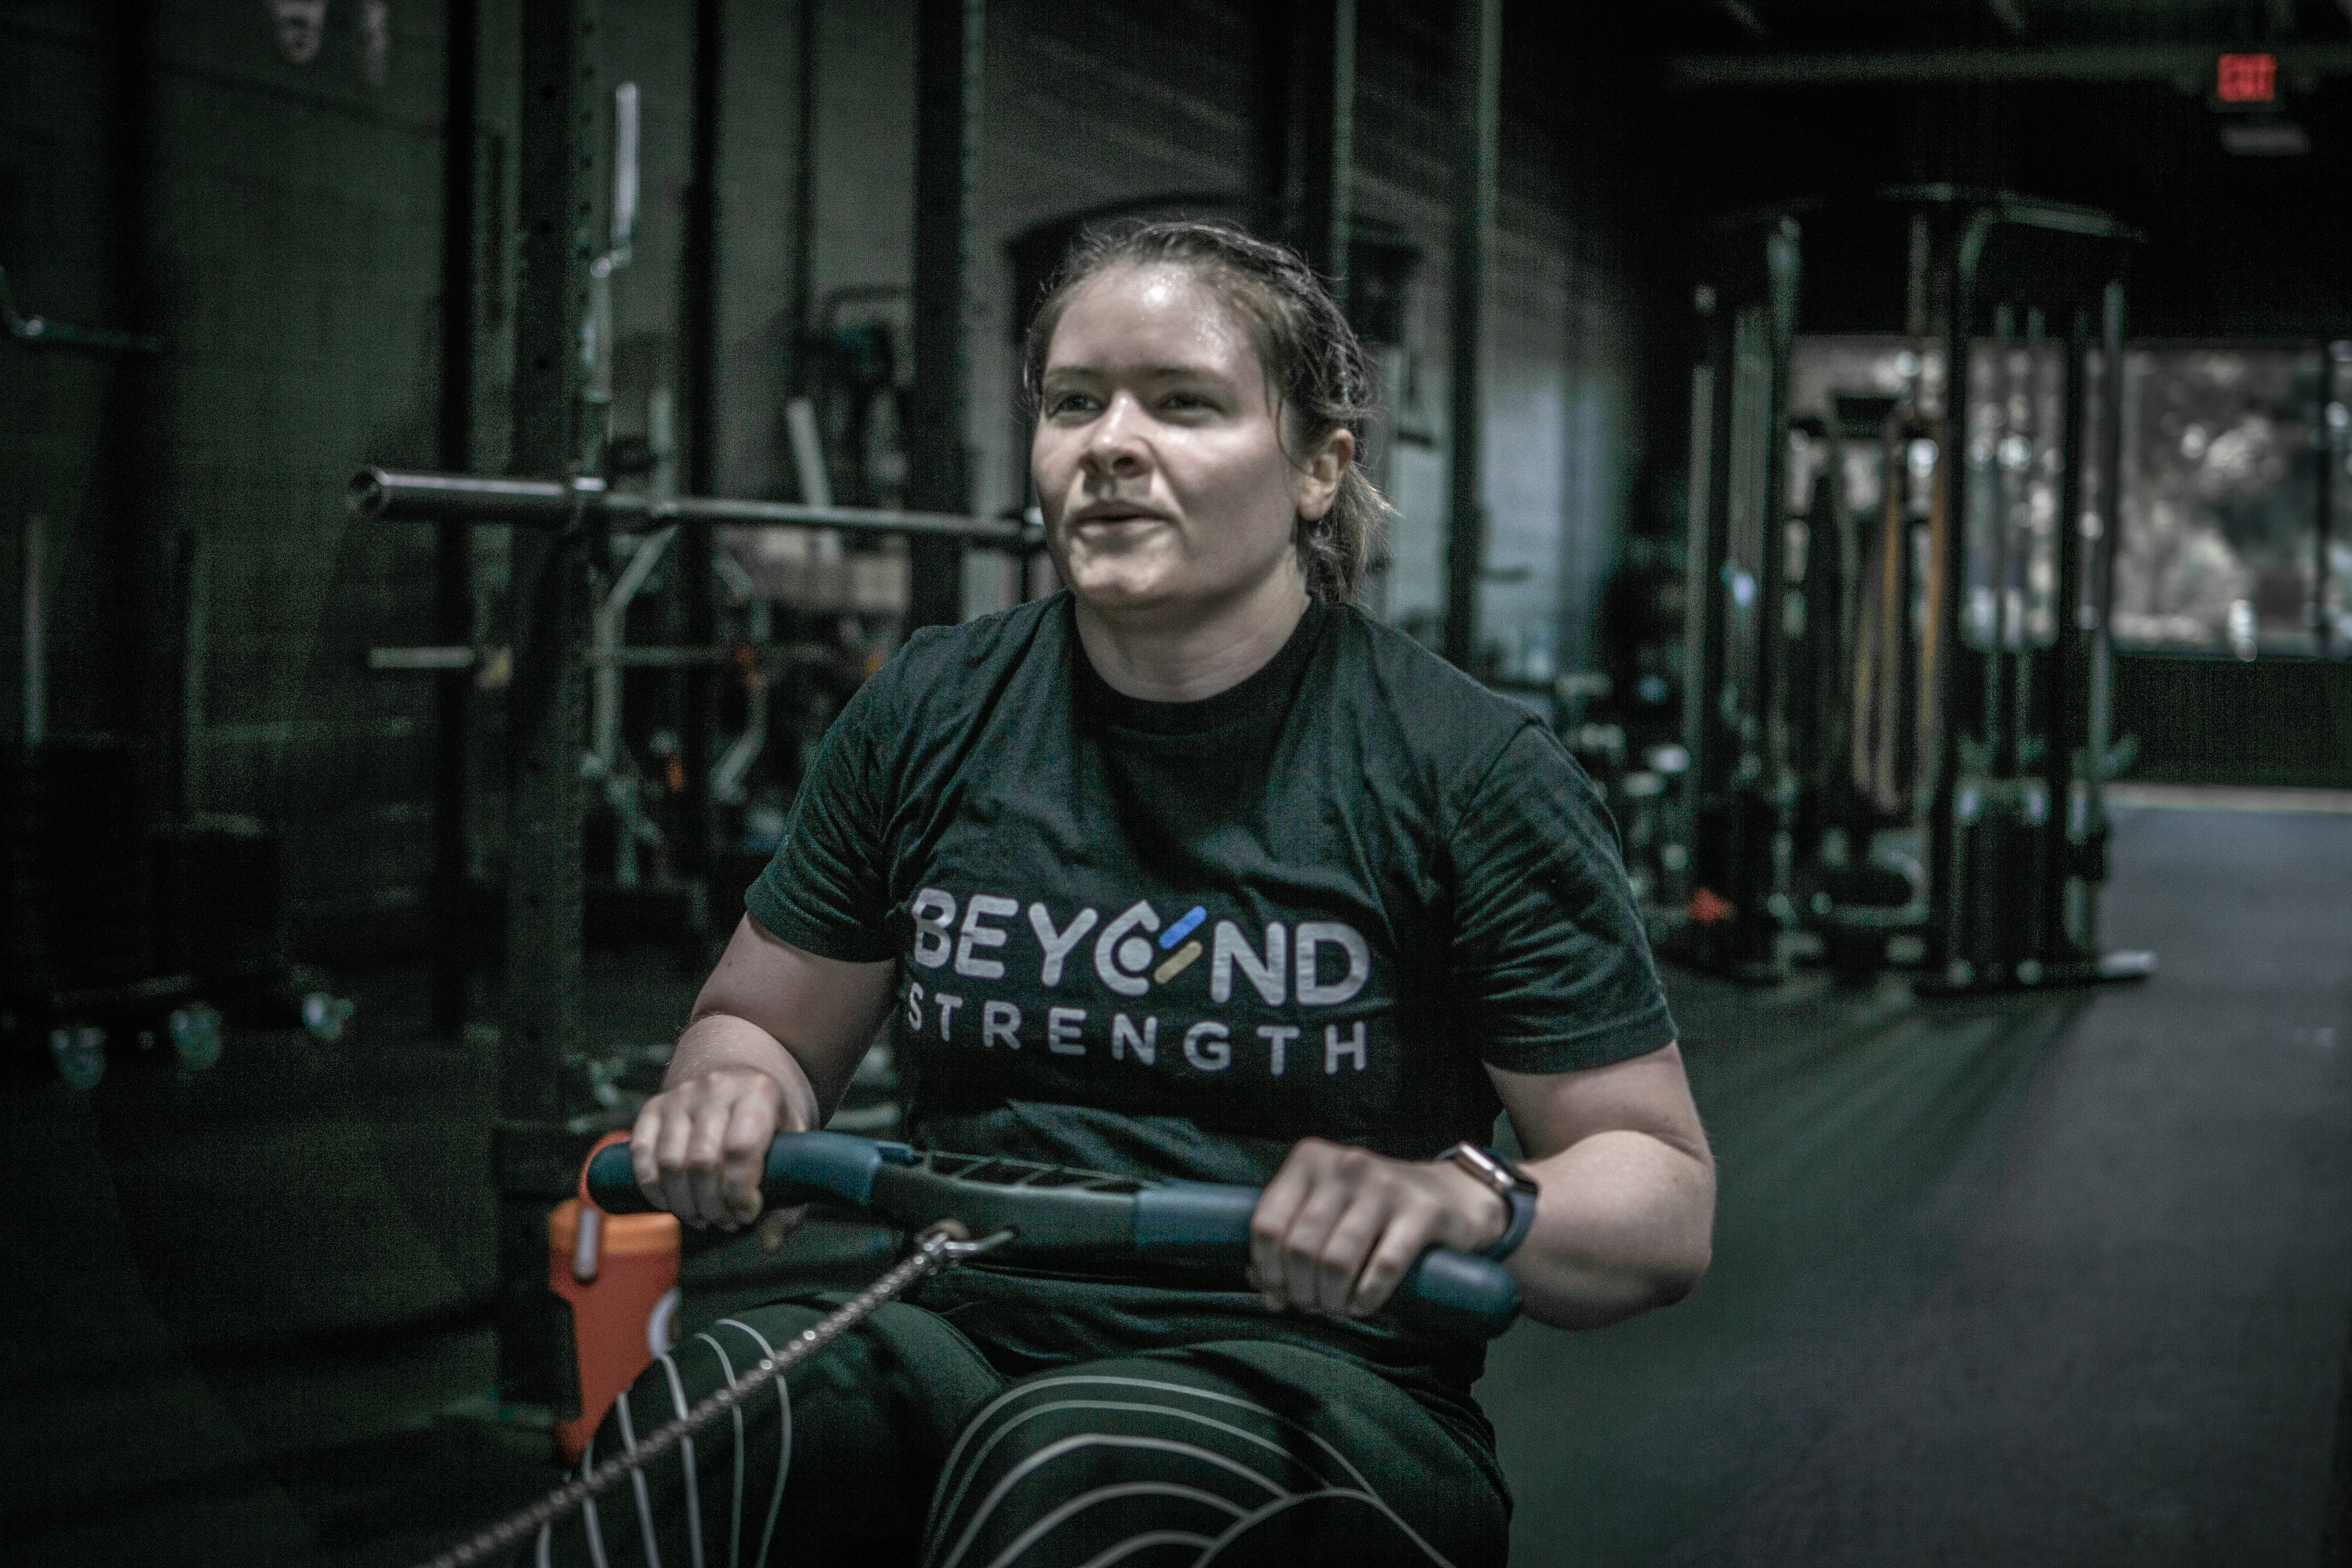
(1183, 927)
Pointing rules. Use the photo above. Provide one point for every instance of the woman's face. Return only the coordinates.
(1159, 454)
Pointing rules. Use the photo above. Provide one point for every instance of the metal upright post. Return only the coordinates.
(950, 37)
(1781, 273)
(536, 1163)
(1999, 739)
(2099, 711)
(1317, 133)
(452, 548)
(1478, 74)
(2331, 453)
(1761, 787)
(1706, 541)
(801, 303)
(2061, 673)
(1952, 669)
(2029, 686)
(698, 345)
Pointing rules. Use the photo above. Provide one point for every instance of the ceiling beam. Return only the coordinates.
(2190, 64)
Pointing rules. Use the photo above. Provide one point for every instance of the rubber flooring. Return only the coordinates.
(2056, 1279)
(2045, 1279)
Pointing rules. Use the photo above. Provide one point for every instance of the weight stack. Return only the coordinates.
(220, 900)
(2004, 854)
(76, 913)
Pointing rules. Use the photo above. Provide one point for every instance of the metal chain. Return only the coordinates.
(943, 1246)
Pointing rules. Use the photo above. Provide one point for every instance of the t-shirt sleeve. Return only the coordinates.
(826, 889)
(1550, 964)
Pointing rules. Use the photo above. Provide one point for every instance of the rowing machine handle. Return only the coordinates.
(1454, 1295)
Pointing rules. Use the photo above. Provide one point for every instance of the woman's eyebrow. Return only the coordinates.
(1152, 372)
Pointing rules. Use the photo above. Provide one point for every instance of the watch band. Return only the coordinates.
(1517, 1190)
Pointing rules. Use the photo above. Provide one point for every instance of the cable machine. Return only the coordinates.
(1895, 648)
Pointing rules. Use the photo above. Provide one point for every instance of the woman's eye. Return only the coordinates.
(1070, 403)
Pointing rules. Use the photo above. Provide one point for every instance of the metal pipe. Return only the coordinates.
(1478, 73)
(802, 297)
(695, 696)
(385, 495)
(1948, 649)
(436, 659)
(379, 494)
(41, 332)
(949, 55)
(399, 660)
(2099, 711)
(2001, 486)
(1001, 533)
(1781, 266)
(453, 563)
(533, 1156)
(1312, 129)
(2331, 453)
(2064, 671)
(2193, 63)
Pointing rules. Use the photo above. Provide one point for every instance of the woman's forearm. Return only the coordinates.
(719, 1042)
(1625, 1222)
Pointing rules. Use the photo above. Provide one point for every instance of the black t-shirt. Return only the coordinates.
(1172, 939)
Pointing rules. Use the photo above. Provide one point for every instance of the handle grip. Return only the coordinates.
(803, 1167)
(1457, 1295)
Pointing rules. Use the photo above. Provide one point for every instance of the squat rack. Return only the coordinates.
(576, 201)
(563, 522)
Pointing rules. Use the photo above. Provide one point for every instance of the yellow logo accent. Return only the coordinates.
(1177, 962)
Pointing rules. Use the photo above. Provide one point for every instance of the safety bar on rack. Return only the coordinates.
(391, 496)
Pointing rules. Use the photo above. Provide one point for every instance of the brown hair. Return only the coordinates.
(1311, 357)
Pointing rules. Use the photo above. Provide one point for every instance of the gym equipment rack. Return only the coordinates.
(2012, 732)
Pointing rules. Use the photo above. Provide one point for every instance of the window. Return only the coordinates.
(2221, 496)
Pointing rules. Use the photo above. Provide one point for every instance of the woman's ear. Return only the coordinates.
(1320, 476)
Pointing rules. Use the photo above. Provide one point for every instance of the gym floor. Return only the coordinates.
(2054, 1278)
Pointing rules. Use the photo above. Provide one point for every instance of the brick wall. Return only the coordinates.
(278, 221)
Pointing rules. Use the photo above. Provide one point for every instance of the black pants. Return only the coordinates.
(899, 1444)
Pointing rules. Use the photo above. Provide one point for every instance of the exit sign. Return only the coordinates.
(2246, 78)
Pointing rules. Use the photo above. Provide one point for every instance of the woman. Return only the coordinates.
(1190, 871)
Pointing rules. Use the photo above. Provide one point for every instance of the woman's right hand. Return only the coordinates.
(700, 1146)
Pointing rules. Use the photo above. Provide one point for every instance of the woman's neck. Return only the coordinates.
(1158, 656)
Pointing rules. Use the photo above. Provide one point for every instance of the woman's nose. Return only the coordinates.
(1115, 444)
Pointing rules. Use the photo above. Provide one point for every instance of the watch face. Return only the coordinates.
(1489, 1169)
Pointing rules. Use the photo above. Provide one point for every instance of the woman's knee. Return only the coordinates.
(1237, 1463)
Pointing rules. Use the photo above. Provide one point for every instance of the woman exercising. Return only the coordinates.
(1192, 870)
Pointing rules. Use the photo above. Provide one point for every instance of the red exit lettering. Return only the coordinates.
(2246, 78)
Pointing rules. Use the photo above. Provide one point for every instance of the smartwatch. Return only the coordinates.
(1514, 1186)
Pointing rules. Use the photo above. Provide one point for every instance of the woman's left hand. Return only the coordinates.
(1337, 1226)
